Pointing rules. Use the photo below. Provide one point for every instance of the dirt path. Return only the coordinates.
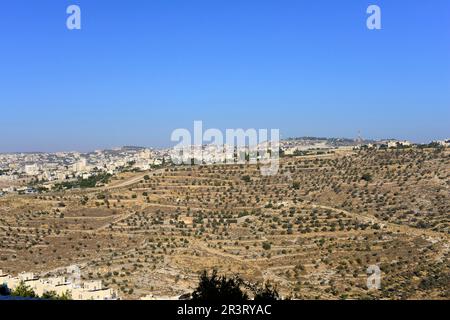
(132, 180)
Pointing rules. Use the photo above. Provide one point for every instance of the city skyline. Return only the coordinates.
(171, 145)
(135, 73)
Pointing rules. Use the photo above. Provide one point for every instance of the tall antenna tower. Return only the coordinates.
(359, 139)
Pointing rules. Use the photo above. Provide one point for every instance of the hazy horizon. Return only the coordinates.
(170, 145)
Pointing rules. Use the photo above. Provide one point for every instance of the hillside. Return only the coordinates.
(312, 230)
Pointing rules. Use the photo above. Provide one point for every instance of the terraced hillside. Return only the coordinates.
(313, 229)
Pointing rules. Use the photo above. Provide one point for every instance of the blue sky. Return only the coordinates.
(140, 69)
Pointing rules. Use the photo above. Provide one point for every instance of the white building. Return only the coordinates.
(444, 143)
(31, 169)
(81, 165)
(395, 144)
(92, 290)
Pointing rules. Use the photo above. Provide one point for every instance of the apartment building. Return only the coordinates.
(90, 290)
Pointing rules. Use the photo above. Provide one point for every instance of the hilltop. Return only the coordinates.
(312, 230)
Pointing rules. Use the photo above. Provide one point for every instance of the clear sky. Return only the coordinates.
(138, 69)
